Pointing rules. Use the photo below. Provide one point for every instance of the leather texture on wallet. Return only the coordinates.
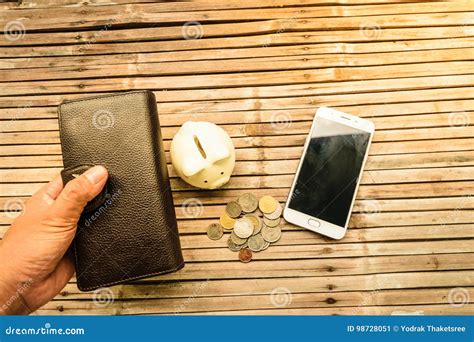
(133, 234)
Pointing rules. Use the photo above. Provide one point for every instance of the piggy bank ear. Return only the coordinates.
(191, 166)
(217, 151)
(214, 148)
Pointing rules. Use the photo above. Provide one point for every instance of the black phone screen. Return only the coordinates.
(327, 179)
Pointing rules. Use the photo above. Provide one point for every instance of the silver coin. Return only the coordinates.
(243, 228)
(237, 240)
(233, 209)
(276, 214)
(214, 231)
(232, 246)
(248, 202)
(256, 222)
(271, 223)
(256, 242)
(265, 246)
(271, 234)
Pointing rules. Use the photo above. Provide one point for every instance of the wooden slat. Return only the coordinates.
(286, 168)
(365, 192)
(400, 147)
(240, 132)
(380, 281)
(301, 124)
(214, 208)
(369, 110)
(232, 65)
(228, 80)
(128, 54)
(341, 17)
(196, 5)
(304, 300)
(446, 309)
(303, 268)
(284, 38)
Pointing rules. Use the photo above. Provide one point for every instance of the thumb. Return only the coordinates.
(73, 198)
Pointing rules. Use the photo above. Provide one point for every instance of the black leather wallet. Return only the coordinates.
(129, 231)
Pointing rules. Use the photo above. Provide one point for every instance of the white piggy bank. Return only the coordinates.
(202, 154)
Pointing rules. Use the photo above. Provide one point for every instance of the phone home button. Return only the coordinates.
(314, 223)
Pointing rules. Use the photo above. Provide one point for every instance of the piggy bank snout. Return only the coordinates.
(219, 182)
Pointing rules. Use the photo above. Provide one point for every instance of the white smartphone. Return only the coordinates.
(328, 175)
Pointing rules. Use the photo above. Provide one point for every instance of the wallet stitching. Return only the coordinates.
(122, 280)
(133, 278)
(105, 96)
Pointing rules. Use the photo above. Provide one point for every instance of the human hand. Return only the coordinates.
(34, 265)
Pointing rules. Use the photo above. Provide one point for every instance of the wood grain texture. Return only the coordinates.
(260, 69)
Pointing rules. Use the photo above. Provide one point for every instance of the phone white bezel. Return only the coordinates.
(313, 223)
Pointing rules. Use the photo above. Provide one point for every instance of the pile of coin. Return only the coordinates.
(253, 224)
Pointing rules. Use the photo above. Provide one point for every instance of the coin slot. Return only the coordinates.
(199, 147)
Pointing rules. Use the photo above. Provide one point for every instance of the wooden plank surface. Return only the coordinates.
(260, 69)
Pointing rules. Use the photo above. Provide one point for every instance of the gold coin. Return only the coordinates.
(276, 214)
(248, 202)
(256, 222)
(256, 242)
(271, 234)
(237, 240)
(233, 209)
(267, 204)
(271, 223)
(214, 231)
(226, 221)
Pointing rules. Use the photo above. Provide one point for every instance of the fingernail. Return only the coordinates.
(96, 174)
